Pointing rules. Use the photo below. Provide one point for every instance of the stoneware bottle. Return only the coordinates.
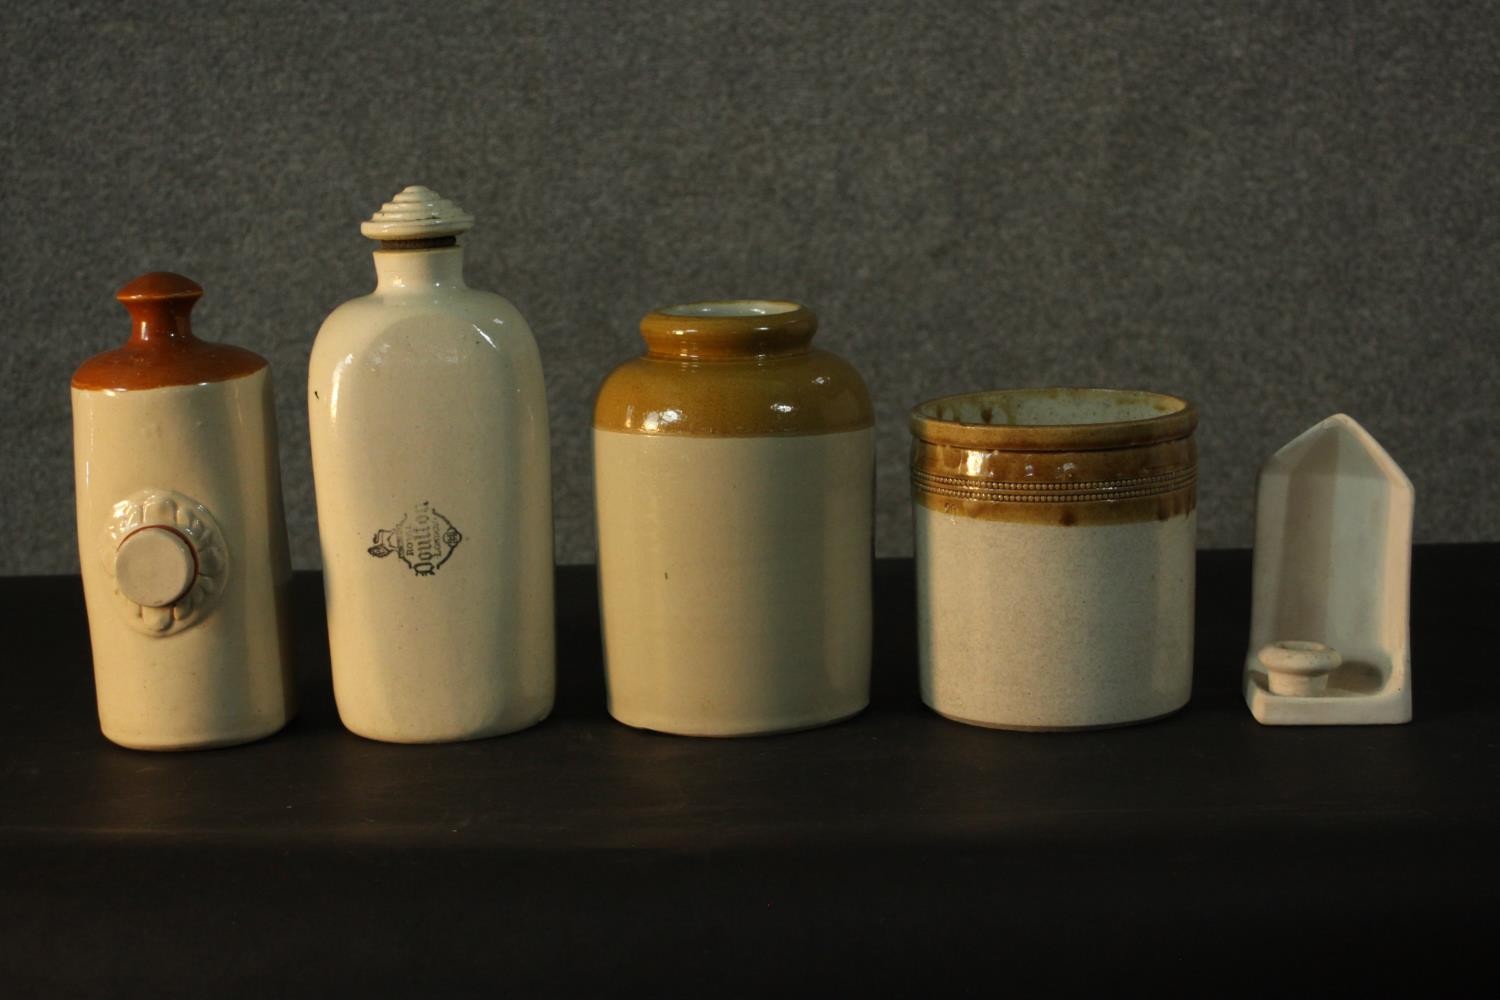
(180, 531)
(734, 488)
(428, 420)
(1055, 535)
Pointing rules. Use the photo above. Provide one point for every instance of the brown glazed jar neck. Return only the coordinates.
(707, 374)
(162, 350)
(733, 330)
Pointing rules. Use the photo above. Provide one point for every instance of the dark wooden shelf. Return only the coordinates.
(894, 852)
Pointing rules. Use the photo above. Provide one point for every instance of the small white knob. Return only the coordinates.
(1297, 668)
(154, 567)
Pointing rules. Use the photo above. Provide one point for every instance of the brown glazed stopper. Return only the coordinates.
(162, 350)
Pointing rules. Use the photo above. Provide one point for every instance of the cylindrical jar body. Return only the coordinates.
(1055, 542)
(199, 463)
(734, 488)
(428, 423)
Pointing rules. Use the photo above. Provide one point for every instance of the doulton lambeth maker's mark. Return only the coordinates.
(423, 538)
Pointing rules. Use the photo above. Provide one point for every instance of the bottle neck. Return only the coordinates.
(159, 304)
(161, 322)
(426, 270)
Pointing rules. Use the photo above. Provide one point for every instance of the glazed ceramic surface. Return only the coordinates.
(428, 421)
(1329, 625)
(181, 534)
(734, 485)
(1055, 534)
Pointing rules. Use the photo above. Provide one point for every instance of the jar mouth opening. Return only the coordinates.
(731, 308)
(1053, 419)
(728, 329)
(1301, 646)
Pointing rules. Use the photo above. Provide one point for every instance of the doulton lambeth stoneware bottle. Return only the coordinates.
(734, 469)
(428, 420)
(180, 531)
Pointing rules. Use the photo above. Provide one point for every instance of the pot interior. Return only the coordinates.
(732, 309)
(1051, 407)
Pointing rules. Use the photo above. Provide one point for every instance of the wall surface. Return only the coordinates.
(1281, 210)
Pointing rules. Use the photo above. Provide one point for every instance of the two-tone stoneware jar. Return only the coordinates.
(1055, 536)
(180, 531)
(734, 478)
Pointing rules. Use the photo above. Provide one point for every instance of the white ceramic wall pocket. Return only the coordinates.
(1329, 625)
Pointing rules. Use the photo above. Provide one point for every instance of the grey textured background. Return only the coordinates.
(1280, 210)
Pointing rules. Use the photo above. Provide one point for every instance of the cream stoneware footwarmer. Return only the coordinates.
(1055, 533)
(428, 420)
(734, 478)
(180, 531)
(1332, 578)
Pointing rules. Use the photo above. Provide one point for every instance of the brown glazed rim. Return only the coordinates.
(690, 331)
(1178, 420)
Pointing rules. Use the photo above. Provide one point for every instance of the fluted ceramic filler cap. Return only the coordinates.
(417, 213)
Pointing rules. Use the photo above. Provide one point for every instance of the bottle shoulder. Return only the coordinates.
(154, 366)
(466, 305)
(815, 392)
(438, 322)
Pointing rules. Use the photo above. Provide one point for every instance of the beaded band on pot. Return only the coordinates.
(1087, 474)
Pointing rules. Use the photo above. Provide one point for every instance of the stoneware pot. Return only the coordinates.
(428, 421)
(180, 531)
(734, 478)
(1055, 534)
